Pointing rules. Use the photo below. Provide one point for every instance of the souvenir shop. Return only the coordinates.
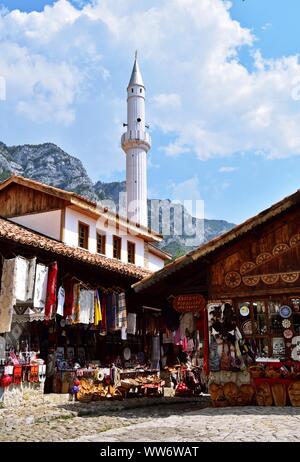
(250, 280)
(67, 325)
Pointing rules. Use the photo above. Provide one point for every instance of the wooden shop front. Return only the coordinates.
(250, 278)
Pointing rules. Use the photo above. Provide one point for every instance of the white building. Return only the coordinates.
(79, 222)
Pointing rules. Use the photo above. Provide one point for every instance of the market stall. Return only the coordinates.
(250, 279)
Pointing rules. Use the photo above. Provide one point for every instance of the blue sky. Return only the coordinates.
(223, 92)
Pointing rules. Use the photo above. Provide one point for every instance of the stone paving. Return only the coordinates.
(55, 419)
(247, 424)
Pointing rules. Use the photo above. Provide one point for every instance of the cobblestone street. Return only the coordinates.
(57, 420)
(215, 425)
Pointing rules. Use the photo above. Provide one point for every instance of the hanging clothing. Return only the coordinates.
(114, 310)
(68, 308)
(190, 345)
(92, 309)
(123, 333)
(7, 294)
(76, 303)
(155, 352)
(40, 287)
(60, 301)
(25, 269)
(103, 327)
(184, 344)
(177, 337)
(121, 320)
(187, 323)
(97, 308)
(131, 323)
(86, 301)
(21, 268)
(51, 291)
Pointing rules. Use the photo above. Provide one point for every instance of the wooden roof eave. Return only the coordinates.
(220, 241)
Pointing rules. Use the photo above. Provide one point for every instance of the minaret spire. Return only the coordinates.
(136, 142)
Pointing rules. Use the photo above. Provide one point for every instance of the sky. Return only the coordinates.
(222, 86)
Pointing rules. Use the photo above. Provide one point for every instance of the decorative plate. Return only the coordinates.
(126, 354)
(247, 327)
(286, 323)
(244, 310)
(285, 311)
(288, 333)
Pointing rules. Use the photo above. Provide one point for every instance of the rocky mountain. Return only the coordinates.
(51, 165)
(46, 163)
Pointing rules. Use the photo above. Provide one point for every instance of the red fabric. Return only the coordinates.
(68, 286)
(51, 291)
(206, 343)
(17, 374)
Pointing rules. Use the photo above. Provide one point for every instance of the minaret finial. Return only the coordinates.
(135, 55)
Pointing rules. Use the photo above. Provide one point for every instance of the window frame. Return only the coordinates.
(119, 249)
(103, 243)
(129, 244)
(87, 227)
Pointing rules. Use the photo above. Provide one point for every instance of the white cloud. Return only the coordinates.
(172, 100)
(266, 26)
(227, 169)
(198, 91)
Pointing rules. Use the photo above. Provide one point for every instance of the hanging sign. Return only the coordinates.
(189, 303)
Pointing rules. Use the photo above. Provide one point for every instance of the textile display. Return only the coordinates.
(51, 291)
(103, 326)
(8, 294)
(97, 314)
(68, 308)
(121, 320)
(40, 287)
(86, 301)
(187, 324)
(76, 308)
(25, 274)
(60, 301)
(114, 301)
(131, 323)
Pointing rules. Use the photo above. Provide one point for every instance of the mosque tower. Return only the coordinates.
(136, 142)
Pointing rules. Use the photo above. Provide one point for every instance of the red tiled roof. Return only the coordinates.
(21, 235)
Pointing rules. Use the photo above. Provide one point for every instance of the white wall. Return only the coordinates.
(46, 223)
(154, 262)
(72, 219)
(109, 230)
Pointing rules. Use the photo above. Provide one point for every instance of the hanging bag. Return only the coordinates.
(225, 359)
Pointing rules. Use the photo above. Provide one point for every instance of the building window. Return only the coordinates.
(132, 90)
(141, 90)
(83, 235)
(117, 247)
(101, 243)
(131, 252)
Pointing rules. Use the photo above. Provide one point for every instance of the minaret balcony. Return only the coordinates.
(136, 139)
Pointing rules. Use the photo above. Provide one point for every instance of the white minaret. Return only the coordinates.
(136, 142)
